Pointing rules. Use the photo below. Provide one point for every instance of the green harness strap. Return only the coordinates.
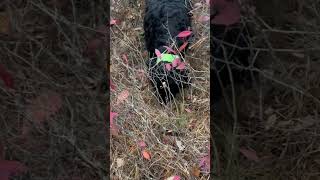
(169, 58)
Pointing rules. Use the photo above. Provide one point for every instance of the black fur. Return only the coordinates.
(161, 16)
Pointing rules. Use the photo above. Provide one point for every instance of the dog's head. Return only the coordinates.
(167, 81)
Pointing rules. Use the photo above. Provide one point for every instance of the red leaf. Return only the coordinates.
(203, 18)
(181, 66)
(184, 45)
(146, 154)
(113, 127)
(6, 77)
(158, 53)
(205, 163)
(122, 96)
(113, 22)
(142, 144)
(176, 62)
(249, 154)
(184, 34)
(112, 86)
(229, 12)
(174, 178)
(170, 50)
(168, 67)
(125, 58)
(10, 168)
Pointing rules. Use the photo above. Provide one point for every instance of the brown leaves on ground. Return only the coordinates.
(249, 154)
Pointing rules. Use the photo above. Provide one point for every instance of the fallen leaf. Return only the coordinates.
(174, 178)
(176, 62)
(114, 22)
(168, 67)
(146, 154)
(142, 144)
(180, 145)
(181, 66)
(228, 12)
(122, 96)
(4, 23)
(184, 34)
(11, 168)
(195, 171)
(120, 162)
(6, 77)
(188, 110)
(158, 53)
(112, 86)
(203, 18)
(205, 163)
(170, 50)
(114, 130)
(125, 58)
(183, 46)
(249, 154)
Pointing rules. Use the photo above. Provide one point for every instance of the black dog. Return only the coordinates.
(163, 21)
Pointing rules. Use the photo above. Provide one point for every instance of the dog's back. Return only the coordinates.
(163, 20)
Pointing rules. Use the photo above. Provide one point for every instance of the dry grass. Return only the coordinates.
(142, 118)
(279, 117)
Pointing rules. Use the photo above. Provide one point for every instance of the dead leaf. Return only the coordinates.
(146, 154)
(184, 34)
(120, 162)
(122, 96)
(112, 86)
(176, 62)
(11, 168)
(168, 67)
(204, 163)
(6, 77)
(170, 50)
(158, 53)
(181, 66)
(114, 130)
(228, 12)
(180, 145)
(203, 19)
(174, 178)
(4, 23)
(125, 58)
(114, 22)
(188, 110)
(195, 171)
(183, 46)
(142, 144)
(249, 154)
